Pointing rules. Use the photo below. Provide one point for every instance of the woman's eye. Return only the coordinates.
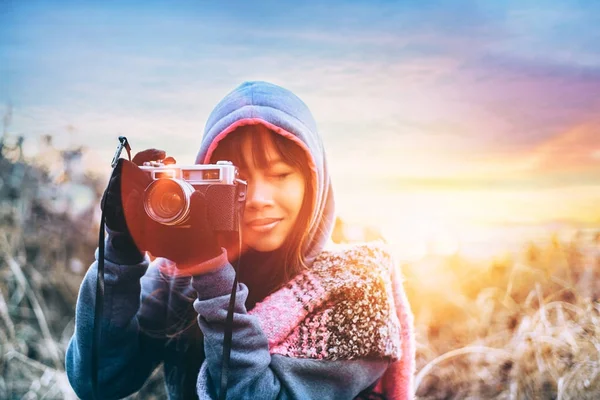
(282, 175)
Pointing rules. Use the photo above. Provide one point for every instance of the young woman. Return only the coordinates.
(309, 322)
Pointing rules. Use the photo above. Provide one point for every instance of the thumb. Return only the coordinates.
(148, 155)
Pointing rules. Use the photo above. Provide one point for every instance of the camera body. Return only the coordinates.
(167, 198)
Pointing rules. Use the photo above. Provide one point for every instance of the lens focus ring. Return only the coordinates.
(167, 201)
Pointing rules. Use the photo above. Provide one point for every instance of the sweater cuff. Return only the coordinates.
(214, 284)
(120, 248)
(115, 272)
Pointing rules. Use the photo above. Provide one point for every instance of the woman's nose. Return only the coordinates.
(259, 195)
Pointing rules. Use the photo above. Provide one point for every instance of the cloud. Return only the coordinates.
(573, 150)
(432, 89)
(519, 103)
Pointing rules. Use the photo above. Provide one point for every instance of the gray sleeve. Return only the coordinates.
(127, 356)
(253, 372)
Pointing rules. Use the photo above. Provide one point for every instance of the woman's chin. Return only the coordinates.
(265, 244)
(264, 248)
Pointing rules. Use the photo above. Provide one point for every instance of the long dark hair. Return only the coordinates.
(289, 256)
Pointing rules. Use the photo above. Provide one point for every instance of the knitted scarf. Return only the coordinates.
(349, 304)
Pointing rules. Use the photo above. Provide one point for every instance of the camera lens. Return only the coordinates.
(167, 201)
(170, 204)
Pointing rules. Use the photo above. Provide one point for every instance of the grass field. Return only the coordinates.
(525, 326)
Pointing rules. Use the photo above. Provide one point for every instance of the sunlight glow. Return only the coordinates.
(419, 237)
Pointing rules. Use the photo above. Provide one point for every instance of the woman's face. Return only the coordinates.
(274, 198)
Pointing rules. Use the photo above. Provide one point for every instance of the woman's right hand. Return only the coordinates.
(136, 232)
(124, 197)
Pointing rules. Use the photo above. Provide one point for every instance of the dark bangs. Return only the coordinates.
(230, 149)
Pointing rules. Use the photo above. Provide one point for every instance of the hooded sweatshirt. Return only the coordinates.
(144, 303)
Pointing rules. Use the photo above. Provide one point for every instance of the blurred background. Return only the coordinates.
(465, 134)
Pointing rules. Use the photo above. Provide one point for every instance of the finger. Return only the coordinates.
(148, 155)
(169, 161)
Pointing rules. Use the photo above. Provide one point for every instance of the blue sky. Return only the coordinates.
(496, 99)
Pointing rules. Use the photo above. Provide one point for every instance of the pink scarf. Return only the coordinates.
(349, 304)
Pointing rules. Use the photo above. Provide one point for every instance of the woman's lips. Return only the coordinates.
(263, 224)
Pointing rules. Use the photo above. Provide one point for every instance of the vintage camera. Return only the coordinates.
(167, 198)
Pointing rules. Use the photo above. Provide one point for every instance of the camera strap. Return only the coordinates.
(228, 334)
(99, 306)
(227, 339)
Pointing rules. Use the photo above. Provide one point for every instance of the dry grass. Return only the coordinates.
(515, 328)
(520, 327)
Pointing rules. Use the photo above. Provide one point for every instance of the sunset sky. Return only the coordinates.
(440, 118)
